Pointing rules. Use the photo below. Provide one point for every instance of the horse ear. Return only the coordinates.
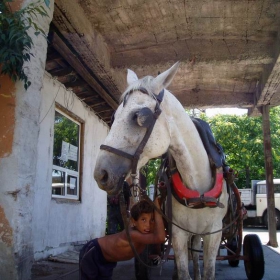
(131, 77)
(164, 79)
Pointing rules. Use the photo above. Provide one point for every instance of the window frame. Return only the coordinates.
(68, 172)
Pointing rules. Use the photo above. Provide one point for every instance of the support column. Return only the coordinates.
(269, 177)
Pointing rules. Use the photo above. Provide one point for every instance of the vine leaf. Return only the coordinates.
(15, 42)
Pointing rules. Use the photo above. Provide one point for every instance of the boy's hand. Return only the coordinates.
(157, 260)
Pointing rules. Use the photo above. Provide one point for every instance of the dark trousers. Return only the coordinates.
(92, 264)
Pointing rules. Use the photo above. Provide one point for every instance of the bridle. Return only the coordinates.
(151, 118)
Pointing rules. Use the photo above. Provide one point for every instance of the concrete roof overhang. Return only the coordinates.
(229, 50)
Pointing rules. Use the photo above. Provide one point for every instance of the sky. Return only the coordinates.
(225, 111)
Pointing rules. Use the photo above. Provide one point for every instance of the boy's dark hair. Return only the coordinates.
(139, 208)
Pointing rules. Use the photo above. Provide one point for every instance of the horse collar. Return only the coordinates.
(193, 199)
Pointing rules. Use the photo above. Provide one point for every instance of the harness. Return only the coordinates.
(181, 192)
(191, 198)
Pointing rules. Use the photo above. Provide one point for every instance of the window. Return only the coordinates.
(276, 188)
(262, 189)
(66, 156)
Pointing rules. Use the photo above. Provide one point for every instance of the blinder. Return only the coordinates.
(145, 117)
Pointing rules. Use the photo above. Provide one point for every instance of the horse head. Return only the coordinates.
(139, 131)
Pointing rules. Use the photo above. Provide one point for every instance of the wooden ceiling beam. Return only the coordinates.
(61, 72)
(76, 64)
(90, 98)
(75, 83)
(96, 104)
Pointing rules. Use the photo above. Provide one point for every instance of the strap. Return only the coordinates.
(116, 151)
(141, 147)
(169, 215)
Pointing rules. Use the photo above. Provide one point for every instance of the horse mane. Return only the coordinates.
(144, 82)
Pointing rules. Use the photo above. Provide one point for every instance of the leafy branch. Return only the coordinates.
(15, 42)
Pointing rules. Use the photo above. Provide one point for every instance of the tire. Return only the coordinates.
(142, 272)
(232, 245)
(254, 261)
(277, 218)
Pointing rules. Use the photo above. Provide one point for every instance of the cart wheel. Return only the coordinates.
(254, 264)
(277, 218)
(233, 247)
(142, 272)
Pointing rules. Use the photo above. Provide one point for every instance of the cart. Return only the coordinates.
(231, 238)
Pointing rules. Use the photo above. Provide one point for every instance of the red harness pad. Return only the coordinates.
(184, 193)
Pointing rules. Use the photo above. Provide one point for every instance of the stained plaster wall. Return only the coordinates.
(57, 223)
(19, 135)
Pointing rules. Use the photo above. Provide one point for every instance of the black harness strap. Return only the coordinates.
(144, 141)
(116, 151)
(168, 213)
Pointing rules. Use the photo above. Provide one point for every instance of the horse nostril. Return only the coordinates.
(104, 177)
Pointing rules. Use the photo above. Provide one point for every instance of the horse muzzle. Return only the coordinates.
(110, 174)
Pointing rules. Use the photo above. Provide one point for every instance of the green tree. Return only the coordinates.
(242, 140)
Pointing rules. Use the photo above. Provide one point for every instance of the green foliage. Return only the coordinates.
(151, 171)
(242, 140)
(15, 42)
(67, 131)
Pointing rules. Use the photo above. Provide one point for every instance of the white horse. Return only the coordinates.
(175, 132)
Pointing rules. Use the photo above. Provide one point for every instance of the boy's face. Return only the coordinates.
(145, 223)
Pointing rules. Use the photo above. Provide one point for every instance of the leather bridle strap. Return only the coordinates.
(116, 151)
(144, 141)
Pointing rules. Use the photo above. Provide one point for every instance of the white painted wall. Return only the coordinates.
(57, 223)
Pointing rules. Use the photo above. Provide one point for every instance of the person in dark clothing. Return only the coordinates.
(99, 257)
(114, 216)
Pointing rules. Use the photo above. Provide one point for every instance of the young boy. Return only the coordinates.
(99, 257)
